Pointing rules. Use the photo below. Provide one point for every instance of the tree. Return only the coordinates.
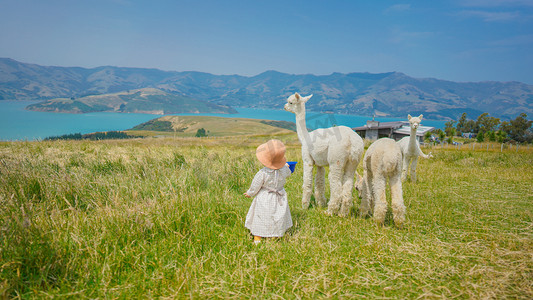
(442, 135)
(519, 129)
(464, 125)
(471, 126)
(486, 123)
(201, 133)
(461, 125)
(427, 136)
(449, 128)
(501, 136)
(491, 136)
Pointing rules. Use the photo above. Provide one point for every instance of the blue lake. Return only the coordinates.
(16, 123)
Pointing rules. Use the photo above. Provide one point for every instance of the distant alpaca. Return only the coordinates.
(338, 147)
(382, 161)
(411, 149)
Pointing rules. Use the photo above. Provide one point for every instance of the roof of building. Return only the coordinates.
(398, 127)
(406, 130)
(383, 125)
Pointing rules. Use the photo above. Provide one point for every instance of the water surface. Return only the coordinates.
(16, 123)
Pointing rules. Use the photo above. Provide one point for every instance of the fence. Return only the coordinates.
(479, 147)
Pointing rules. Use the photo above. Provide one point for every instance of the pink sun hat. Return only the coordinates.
(272, 154)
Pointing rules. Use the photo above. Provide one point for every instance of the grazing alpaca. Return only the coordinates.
(411, 148)
(382, 161)
(338, 147)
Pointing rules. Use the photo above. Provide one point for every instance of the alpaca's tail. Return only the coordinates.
(357, 147)
(392, 160)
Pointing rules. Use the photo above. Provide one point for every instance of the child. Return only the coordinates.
(269, 214)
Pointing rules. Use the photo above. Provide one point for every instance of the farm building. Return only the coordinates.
(374, 130)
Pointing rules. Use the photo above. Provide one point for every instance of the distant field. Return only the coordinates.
(187, 126)
(164, 218)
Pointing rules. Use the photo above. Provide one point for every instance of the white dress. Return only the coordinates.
(269, 214)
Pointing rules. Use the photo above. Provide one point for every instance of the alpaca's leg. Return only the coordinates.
(380, 198)
(320, 186)
(307, 185)
(335, 186)
(370, 192)
(347, 188)
(364, 208)
(398, 207)
(413, 169)
(367, 203)
(405, 166)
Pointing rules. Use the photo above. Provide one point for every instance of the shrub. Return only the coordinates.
(201, 133)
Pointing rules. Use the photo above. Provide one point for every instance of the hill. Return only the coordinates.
(147, 100)
(391, 94)
(214, 126)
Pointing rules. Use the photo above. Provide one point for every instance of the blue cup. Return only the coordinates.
(292, 165)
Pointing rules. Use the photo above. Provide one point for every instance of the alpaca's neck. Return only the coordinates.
(412, 138)
(301, 129)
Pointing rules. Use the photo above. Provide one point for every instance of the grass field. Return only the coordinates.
(164, 218)
(187, 126)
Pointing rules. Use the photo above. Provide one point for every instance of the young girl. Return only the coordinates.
(269, 214)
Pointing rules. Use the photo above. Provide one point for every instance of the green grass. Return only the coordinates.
(188, 126)
(165, 218)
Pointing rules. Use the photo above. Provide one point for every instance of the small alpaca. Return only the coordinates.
(338, 147)
(411, 148)
(382, 161)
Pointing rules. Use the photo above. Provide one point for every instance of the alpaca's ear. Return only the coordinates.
(297, 96)
(409, 117)
(304, 99)
(420, 117)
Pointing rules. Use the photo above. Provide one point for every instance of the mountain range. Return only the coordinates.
(391, 94)
(145, 100)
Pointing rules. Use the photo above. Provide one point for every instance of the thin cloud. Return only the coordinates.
(514, 41)
(122, 2)
(489, 16)
(410, 37)
(398, 8)
(495, 3)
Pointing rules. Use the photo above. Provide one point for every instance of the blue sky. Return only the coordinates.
(458, 40)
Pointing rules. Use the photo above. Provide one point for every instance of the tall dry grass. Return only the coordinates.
(165, 218)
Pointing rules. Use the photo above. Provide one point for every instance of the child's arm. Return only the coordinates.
(256, 185)
(287, 168)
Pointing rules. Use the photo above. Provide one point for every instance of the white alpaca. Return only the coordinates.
(411, 148)
(382, 161)
(338, 147)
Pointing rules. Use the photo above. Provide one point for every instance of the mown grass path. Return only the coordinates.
(165, 218)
